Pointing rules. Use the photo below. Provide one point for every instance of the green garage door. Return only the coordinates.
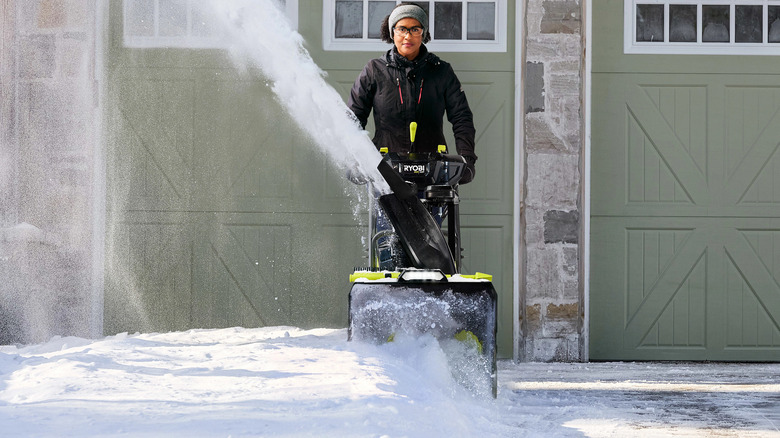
(220, 211)
(685, 212)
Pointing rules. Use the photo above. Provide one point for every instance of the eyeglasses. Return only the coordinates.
(415, 31)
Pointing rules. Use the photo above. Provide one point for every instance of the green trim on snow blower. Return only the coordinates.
(370, 275)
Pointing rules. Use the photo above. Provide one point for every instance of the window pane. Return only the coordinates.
(748, 24)
(682, 23)
(715, 22)
(481, 21)
(426, 7)
(774, 24)
(449, 21)
(650, 23)
(140, 17)
(377, 11)
(173, 18)
(202, 21)
(349, 19)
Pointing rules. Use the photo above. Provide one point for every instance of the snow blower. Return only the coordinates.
(413, 286)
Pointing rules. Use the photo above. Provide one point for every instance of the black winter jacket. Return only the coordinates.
(401, 91)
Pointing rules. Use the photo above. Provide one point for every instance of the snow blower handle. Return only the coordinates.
(412, 135)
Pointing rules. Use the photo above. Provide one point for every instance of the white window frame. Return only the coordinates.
(365, 44)
(184, 42)
(631, 46)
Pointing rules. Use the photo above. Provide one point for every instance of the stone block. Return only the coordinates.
(44, 292)
(565, 118)
(534, 228)
(539, 136)
(561, 16)
(553, 48)
(56, 118)
(79, 13)
(571, 259)
(562, 312)
(37, 56)
(565, 84)
(571, 289)
(534, 87)
(557, 349)
(51, 14)
(570, 66)
(547, 350)
(560, 320)
(533, 318)
(561, 226)
(553, 181)
(543, 279)
(74, 56)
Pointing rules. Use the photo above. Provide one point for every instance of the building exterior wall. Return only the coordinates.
(47, 148)
(552, 307)
(47, 57)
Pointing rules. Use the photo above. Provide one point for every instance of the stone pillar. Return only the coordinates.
(46, 244)
(553, 144)
(7, 114)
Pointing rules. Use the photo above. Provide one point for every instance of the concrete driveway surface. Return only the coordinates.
(642, 399)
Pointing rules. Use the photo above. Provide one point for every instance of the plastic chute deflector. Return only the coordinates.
(420, 235)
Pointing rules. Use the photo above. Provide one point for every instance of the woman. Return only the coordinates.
(409, 84)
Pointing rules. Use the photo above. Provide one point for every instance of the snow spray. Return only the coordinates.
(48, 147)
(259, 33)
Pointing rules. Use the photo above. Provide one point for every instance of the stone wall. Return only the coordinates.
(47, 147)
(552, 306)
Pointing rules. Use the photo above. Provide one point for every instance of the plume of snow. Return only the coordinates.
(258, 34)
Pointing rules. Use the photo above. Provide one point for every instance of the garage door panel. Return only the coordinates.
(158, 142)
(234, 155)
(683, 277)
(766, 245)
(151, 290)
(753, 290)
(672, 152)
(682, 322)
(650, 177)
(709, 293)
(752, 130)
(750, 323)
(487, 243)
(649, 254)
(755, 182)
(678, 105)
(661, 163)
(751, 112)
(240, 281)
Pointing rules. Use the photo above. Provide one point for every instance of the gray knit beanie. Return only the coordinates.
(407, 11)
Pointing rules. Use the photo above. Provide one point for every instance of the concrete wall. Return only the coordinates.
(48, 138)
(552, 309)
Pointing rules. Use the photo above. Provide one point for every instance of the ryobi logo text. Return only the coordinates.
(413, 168)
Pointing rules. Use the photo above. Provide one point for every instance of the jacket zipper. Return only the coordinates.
(401, 95)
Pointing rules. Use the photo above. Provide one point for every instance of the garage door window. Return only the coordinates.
(455, 25)
(714, 27)
(178, 23)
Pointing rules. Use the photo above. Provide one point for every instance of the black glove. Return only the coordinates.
(357, 176)
(468, 171)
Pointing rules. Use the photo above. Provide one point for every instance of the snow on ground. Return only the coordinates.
(288, 382)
